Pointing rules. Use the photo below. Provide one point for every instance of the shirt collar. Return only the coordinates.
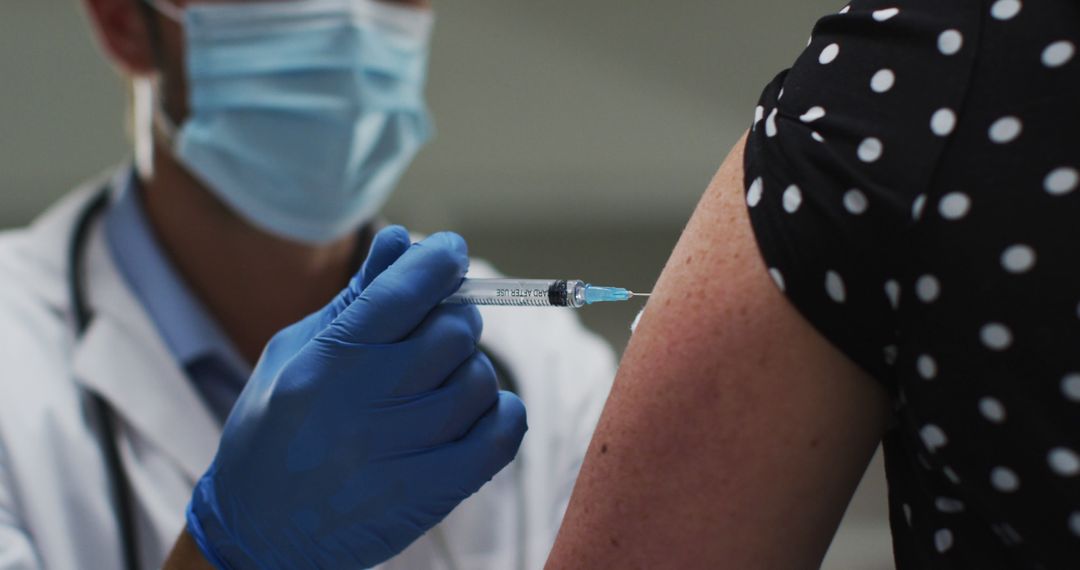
(188, 330)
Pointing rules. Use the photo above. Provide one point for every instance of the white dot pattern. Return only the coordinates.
(1005, 130)
(792, 199)
(870, 149)
(923, 192)
(1005, 9)
(992, 409)
(1004, 479)
(918, 206)
(949, 505)
(777, 277)
(812, 114)
(1058, 53)
(885, 14)
(1064, 462)
(933, 437)
(954, 205)
(927, 367)
(834, 286)
(1070, 387)
(828, 55)
(892, 291)
(1061, 181)
(950, 42)
(1019, 258)
(943, 540)
(943, 122)
(883, 81)
(996, 336)
(753, 194)
(927, 288)
(855, 202)
(770, 124)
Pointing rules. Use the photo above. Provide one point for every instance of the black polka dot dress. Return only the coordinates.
(914, 185)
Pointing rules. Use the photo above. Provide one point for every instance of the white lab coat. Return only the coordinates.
(55, 505)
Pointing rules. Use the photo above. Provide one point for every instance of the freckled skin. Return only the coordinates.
(735, 434)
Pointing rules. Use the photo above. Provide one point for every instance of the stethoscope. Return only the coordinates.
(123, 495)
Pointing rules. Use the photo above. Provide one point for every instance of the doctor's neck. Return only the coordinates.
(253, 283)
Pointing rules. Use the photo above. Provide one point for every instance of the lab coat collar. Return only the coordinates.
(122, 357)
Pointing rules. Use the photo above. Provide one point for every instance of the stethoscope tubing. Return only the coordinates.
(83, 315)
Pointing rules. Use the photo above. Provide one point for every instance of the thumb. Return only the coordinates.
(388, 245)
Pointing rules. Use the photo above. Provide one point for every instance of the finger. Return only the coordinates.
(434, 481)
(440, 416)
(386, 247)
(399, 299)
(394, 425)
(442, 343)
(487, 448)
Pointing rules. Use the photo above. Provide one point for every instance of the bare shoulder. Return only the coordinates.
(735, 434)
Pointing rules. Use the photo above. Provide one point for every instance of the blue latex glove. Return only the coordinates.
(363, 425)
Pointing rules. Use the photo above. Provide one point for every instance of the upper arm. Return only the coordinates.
(735, 433)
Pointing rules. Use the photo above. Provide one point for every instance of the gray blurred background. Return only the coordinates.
(574, 138)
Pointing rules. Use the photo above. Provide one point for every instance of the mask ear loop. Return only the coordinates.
(149, 116)
(142, 125)
(147, 110)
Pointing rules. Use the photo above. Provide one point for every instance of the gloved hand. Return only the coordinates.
(363, 425)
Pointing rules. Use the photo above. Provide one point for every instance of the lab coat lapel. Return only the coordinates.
(124, 359)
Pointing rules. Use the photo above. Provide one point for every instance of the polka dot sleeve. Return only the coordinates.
(842, 151)
(913, 182)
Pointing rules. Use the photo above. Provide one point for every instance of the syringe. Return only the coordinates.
(536, 293)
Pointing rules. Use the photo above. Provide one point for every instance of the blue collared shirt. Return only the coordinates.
(197, 342)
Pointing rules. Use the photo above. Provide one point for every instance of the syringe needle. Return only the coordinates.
(633, 294)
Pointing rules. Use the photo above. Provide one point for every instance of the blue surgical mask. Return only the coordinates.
(303, 114)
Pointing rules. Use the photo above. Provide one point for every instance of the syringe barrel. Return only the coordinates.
(519, 292)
